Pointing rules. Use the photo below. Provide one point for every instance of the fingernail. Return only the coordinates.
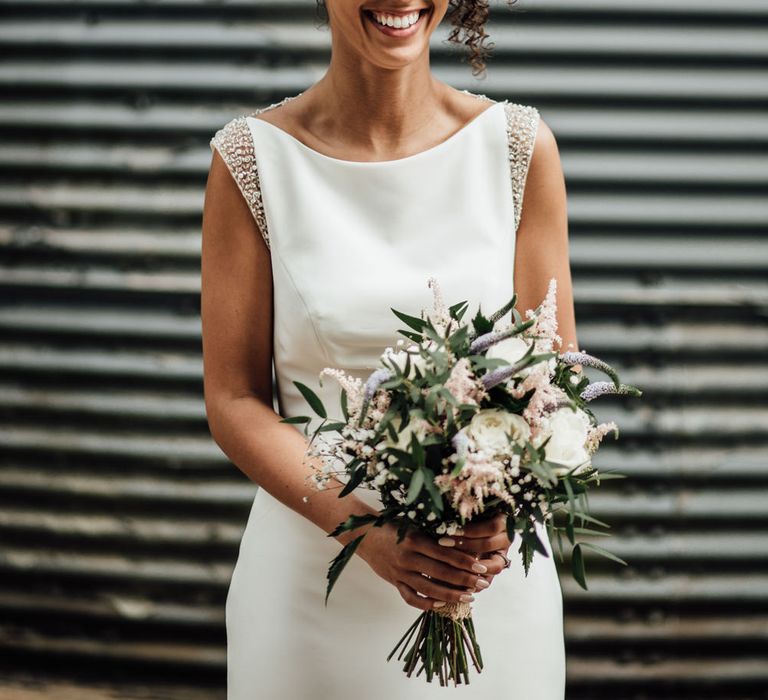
(482, 583)
(466, 598)
(479, 568)
(438, 604)
(446, 541)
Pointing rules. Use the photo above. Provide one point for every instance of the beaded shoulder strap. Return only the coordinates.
(234, 141)
(522, 124)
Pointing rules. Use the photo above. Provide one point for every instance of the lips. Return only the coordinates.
(392, 31)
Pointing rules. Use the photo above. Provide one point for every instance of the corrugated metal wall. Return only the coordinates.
(119, 517)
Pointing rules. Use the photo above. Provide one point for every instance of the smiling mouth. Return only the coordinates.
(397, 31)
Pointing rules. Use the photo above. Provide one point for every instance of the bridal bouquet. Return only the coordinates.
(467, 420)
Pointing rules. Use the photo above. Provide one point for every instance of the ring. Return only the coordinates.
(507, 562)
(461, 542)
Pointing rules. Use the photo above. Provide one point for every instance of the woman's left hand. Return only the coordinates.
(481, 536)
(485, 539)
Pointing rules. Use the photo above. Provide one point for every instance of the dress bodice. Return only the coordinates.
(350, 239)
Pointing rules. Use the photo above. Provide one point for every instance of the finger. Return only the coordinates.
(432, 588)
(486, 527)
(483, 544)
(445, 572)
(450, 555)
(410, 596)
(494, 563)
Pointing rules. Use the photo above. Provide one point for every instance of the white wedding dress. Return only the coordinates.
(349, 240)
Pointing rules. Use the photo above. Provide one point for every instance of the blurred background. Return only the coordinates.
(120, 518)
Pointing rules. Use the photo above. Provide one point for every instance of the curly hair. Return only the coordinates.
(468, 19)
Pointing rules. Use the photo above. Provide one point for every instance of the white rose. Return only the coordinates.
(510, 350)
(415, 426)
(490, 429)
(567, 444)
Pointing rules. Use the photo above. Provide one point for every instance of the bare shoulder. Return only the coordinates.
(545, 213)
(545, 168)
(289, 114)
(545, 146)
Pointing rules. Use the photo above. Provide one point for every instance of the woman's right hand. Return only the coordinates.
(453, 575)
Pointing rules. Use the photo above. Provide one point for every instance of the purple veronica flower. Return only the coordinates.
(601, 388)
(487, 339)
(374, 381)
(583, 358)
(498, 375)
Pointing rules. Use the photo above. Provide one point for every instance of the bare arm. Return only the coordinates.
(236, 310)
(542, 237)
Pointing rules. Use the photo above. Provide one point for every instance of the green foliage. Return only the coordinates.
(417, 324)
(481, 324)
(458, 341)
(339, 562)
(504, 310)
(344, 406)
(414, 488)
(356, 477)
(352, 523)
(577, 567)
(434, 492)
(457, 311)
(333, 426)
(296, 419)
(312, 399)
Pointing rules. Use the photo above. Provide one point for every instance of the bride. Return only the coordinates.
(321, 212)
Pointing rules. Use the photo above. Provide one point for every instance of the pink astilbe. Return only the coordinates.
(380, 406)
(478, 479)
(352, 385)
(596, 433)
(545, 398)
(545, 328)
(464, 385)
(439, 316)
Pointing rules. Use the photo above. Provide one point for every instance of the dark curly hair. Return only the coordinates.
(468, 18)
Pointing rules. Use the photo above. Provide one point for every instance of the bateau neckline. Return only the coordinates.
(394, 161)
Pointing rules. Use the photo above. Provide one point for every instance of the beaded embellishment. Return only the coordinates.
(234, 142)
(522, 124)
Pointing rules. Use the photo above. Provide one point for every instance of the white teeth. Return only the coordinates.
(398, 22)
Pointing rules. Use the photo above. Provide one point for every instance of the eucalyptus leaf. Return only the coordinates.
(344, 405)
(603, 552)
(339, 562)
(312, 399)
(577, 567)
(591, 519)
(352, 523)
(434, 492)
(354, 481)
(418, 451)
(415, 337)
(336, 425)
(414, 488)
(418, 324)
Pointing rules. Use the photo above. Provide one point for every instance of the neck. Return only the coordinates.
(378, 109)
